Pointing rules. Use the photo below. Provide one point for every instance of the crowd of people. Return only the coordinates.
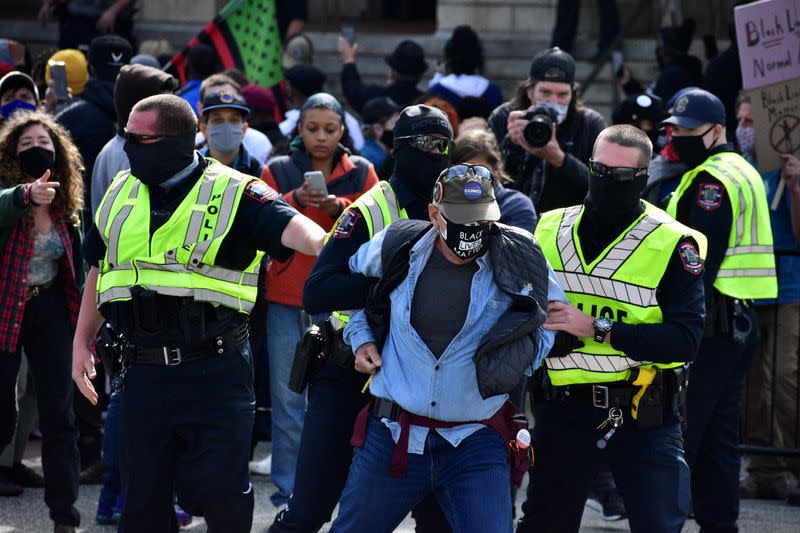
(383, 283)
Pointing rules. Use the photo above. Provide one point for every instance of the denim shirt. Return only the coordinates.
(445, 389)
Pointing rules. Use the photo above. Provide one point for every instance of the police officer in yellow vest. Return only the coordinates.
(422, 142)
(174, 258)
(723, 197)
(615, 376)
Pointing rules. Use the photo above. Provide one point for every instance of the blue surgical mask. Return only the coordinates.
(560, 109)
(16, 105)
(225, 137)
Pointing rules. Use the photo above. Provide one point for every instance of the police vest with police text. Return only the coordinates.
(379, 207)
(620, 283)
(748, 268)
(179, 258)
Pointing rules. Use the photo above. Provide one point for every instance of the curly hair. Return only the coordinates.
(68, 163)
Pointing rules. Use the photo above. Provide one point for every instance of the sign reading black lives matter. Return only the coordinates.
(768, 35)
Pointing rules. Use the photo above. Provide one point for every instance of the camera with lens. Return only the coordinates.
(540, 126)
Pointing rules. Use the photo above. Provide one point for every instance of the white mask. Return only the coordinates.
(560, 109)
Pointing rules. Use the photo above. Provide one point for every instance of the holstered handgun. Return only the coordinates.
(319, 345)
(109, 347)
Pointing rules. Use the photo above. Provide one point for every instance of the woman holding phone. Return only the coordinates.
(41, 192)
(320, 179)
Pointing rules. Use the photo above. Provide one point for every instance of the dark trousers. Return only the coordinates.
(46, 337)
(566, 26)
(714, 400)
(89, 421)
(648, 467)
(323, 461)
(187, 432)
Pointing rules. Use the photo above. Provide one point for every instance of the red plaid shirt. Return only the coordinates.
(13, 282)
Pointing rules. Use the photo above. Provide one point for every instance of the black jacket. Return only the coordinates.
(358, 93)
(520, 270)
(91, 120)
(550, 187)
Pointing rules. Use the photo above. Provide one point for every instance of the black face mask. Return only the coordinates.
(691, 150)
(615, 201)
(465, 241)
(155, 163)
(419, 170)
(387, 138)
(35, 161)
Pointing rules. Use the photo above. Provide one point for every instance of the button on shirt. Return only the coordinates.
(445, 389)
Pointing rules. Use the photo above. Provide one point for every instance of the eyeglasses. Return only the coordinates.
(616, 173)
(467, 171)
(137, 138)
(428, 143)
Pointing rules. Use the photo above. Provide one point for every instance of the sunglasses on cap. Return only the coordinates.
(137, 138)
(465, 170)
(427, 143)
(616, 173)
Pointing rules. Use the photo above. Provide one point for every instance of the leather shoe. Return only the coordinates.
(9, 487)
(27, 477)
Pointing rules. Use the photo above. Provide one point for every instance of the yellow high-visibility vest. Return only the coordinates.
(620, 284)
(379, 207)
(179, 258)
(748, 268)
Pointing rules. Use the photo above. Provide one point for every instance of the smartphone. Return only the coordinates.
(617, 58)
(349, 34)
(316, 181)
(58, 75)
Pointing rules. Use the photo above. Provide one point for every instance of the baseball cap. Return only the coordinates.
(76, 66)
(421, 120)
(17, 79)
(553, 64)
(638, 107)
(225, 100)
(378, 109)
(107, 54)
(465, 193)
(695, 108)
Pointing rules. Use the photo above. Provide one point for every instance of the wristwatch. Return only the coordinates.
(601, 326)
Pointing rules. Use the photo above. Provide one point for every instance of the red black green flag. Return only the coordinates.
(245, 36)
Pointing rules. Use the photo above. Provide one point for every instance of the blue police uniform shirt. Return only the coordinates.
(781, 222)
(445, 388)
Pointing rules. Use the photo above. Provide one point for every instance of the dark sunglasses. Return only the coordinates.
(616, 173)
(137, 138)
(465, 170)
(428, 143)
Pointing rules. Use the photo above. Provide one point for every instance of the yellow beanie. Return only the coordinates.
(77, 69)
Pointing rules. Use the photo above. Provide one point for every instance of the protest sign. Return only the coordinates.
(776, 118)
(768, 35)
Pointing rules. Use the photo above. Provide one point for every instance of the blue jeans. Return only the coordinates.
(283, 334)
(111, 461)
(470, 481)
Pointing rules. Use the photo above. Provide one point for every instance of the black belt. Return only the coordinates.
(600, 396)
(36, 290)
(175, 355)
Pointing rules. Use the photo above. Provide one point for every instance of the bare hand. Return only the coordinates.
(311, 198)
(791, 172)
(107, 21)
(43, 192)
(368, 360)
(51, 101)
(83, 372)
(347, 51)
(295, 26)
(44, 13)
(564, 317)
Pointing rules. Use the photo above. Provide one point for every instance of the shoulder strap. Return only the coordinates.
(401, 235)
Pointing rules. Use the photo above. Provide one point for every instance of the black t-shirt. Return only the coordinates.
(440, 278)
(330, 285)
(258, 225)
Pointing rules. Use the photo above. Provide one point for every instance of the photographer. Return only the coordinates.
(551, 170)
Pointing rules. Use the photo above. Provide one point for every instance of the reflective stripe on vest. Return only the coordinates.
(379, 207)
(621, 283)
(178, 259)
(748, 268)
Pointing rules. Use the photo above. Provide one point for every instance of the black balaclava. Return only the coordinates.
(154, 163)
(417, 169)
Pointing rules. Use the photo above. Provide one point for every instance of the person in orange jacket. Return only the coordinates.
(316, 148)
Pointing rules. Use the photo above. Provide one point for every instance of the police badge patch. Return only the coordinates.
(709, 197)
(346, 224)
(690, 259)
(260, 191)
